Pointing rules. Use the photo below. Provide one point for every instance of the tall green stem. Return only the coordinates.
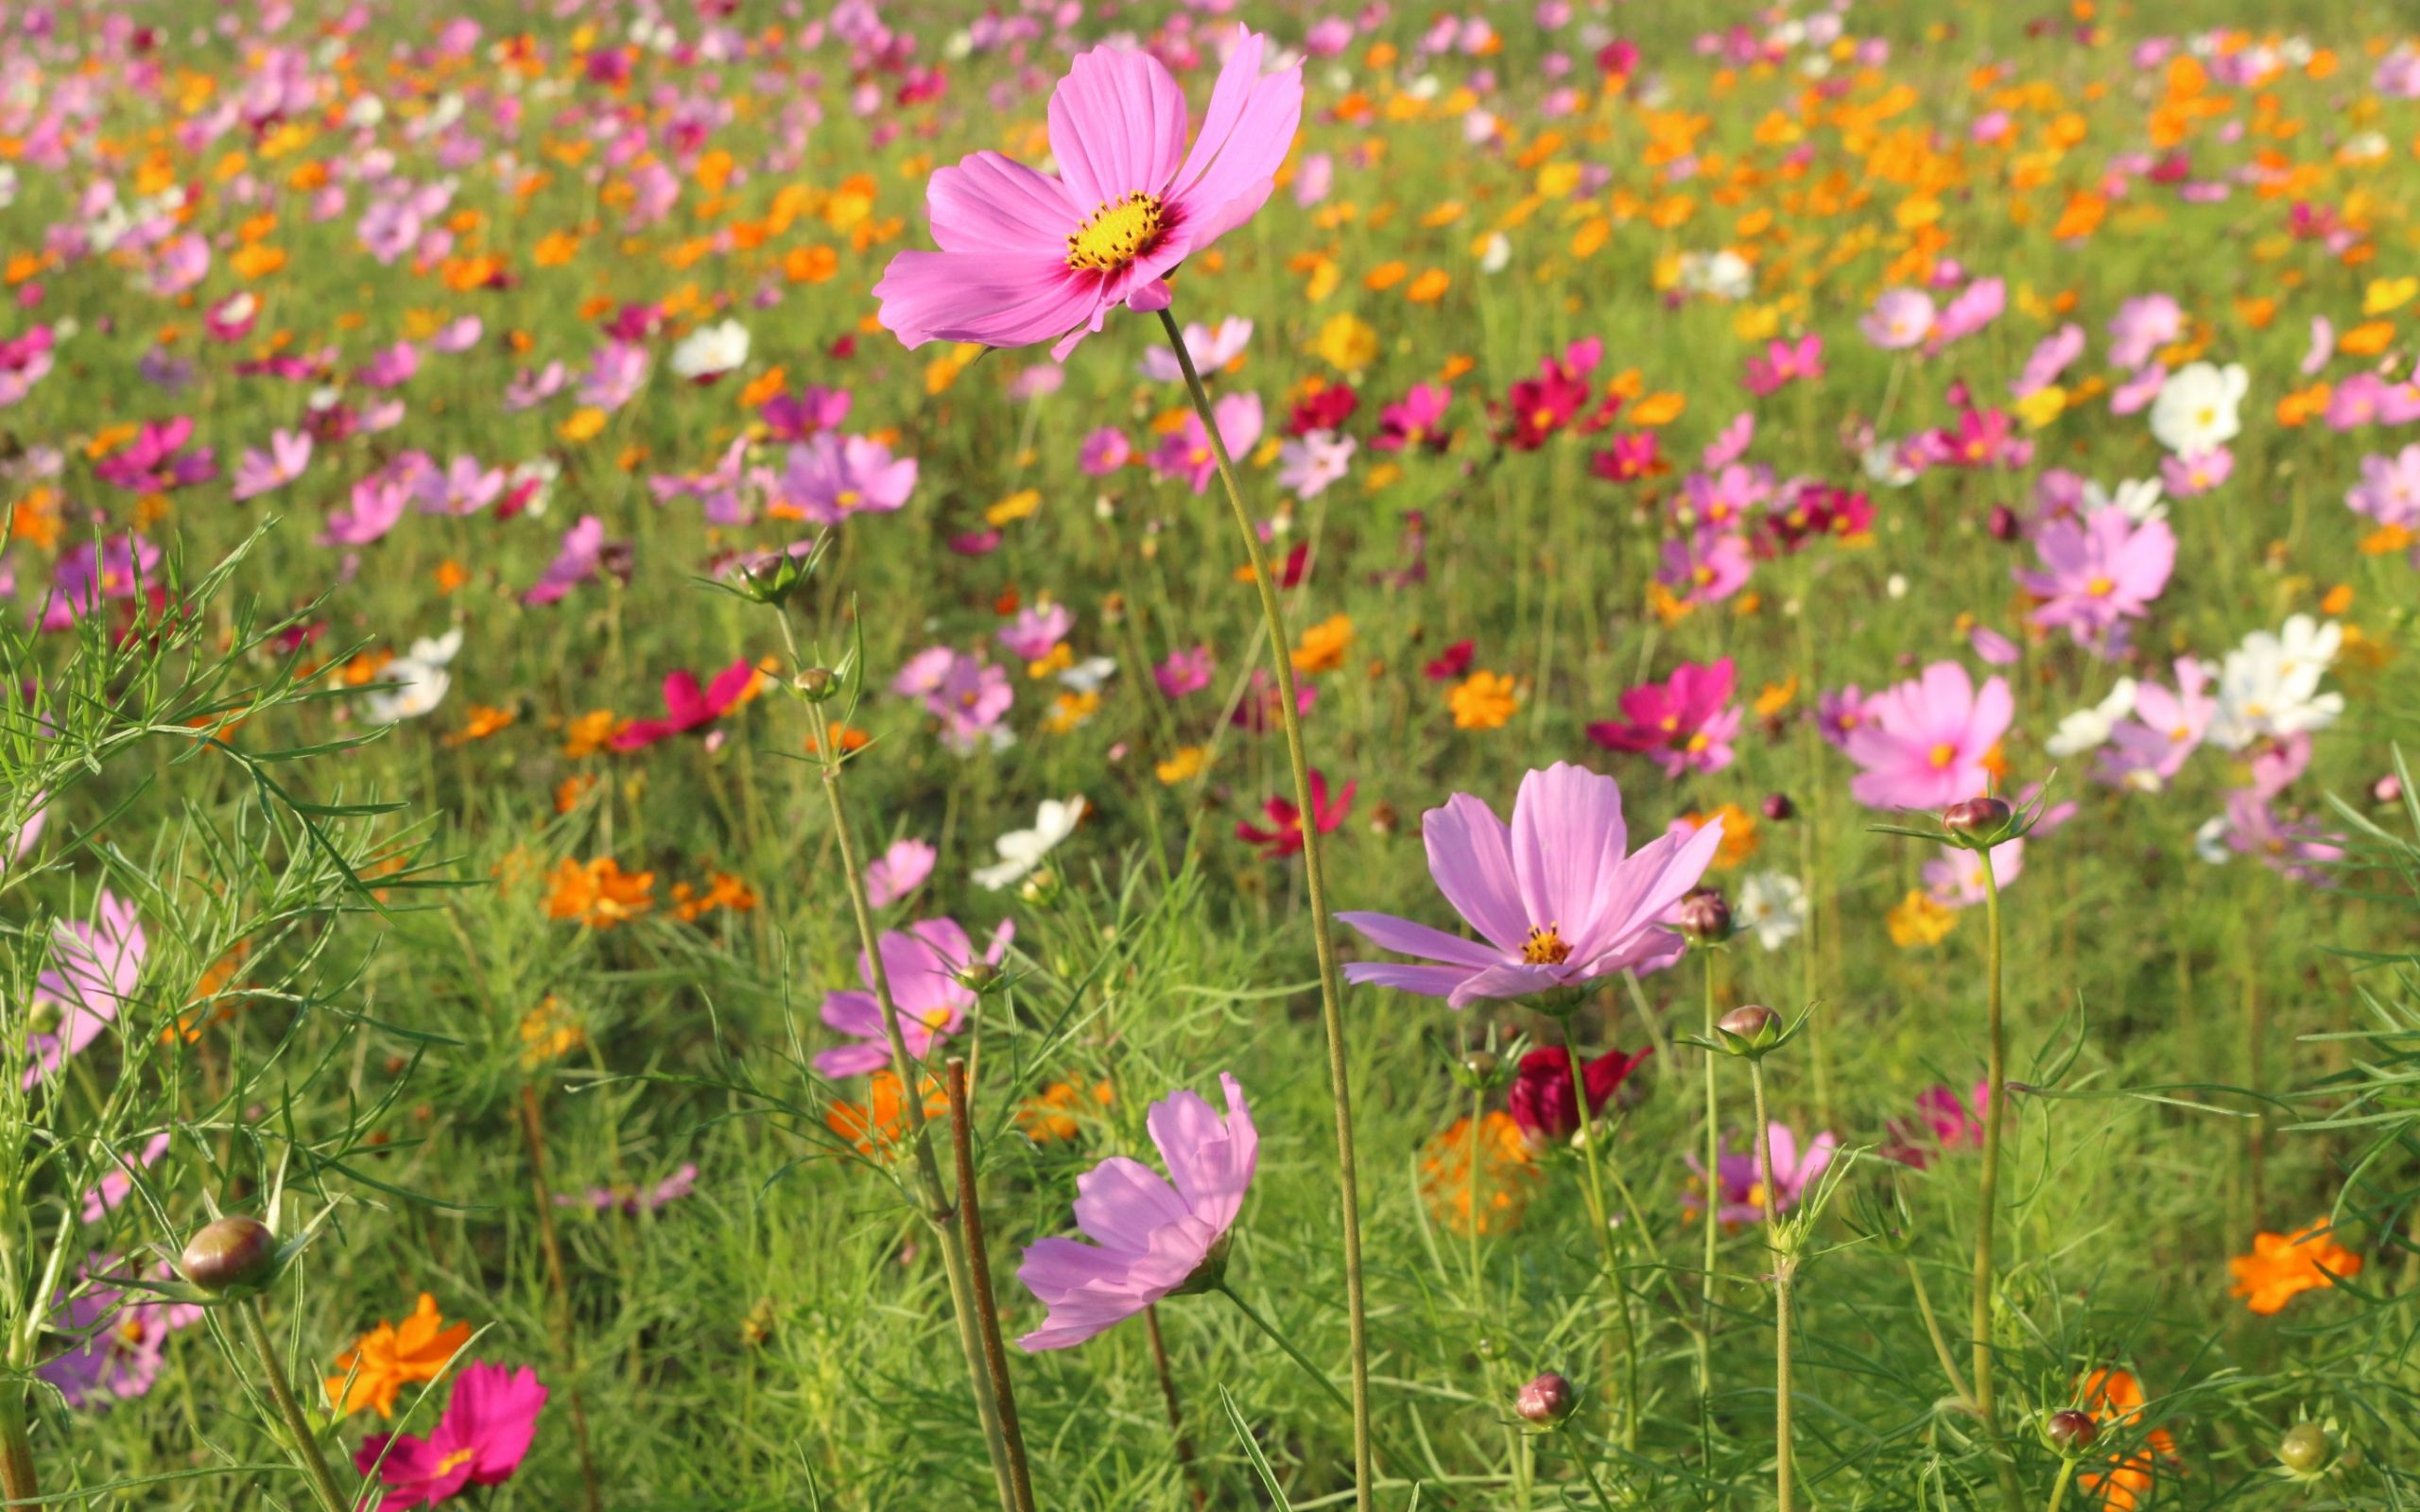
(1403, 1464)
(1783, 1264)
(1601, 1220)
(18, 1482)
(978, 1265)
(1713, 1178)
(1987, 1186)
(1323, 937)
(305, 1443)
(929, 1191)
(2058, 1488)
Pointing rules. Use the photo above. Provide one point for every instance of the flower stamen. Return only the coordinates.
(1117, 233)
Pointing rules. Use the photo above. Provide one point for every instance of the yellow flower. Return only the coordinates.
(1070, 710)
(1919, 921)
(548, 1032)
(1347, 343)
(1186, 763)
(1483, 700)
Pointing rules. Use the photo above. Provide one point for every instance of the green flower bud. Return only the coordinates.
(231, 1254)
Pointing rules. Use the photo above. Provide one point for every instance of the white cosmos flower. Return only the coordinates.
(1772, 905)
(1495, 251)
(2270, 684)
(1088, 675)
(414, 684)
(2139, 497)
(2196, 410)
(1022, 850)
(711, 351)
(2088, 729)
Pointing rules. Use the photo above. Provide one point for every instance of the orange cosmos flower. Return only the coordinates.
(1508, 1176)
(1052, 1113)
(2283, 1266)
(390, 1355)
(875, 1128)
(598, 893)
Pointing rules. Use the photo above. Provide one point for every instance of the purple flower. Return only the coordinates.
(2097, 572)
(463, 488)
(634, 1199)
(2389, 492)
(576, 563)
(1152, 1237)
(1556, 898)
(1185, 452)
(615, 376)
(1742, 1189)
(797, 417)
(1105, 452)
(832, 477)
(94, 970)
(922, 964)
(259, 473)
(1035, 632)
(117, 1344)
(87, 578)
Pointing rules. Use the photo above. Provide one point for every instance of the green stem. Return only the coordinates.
(17, 1480)
(1987, 1187)
(1601, 1219)
(1403, 1463)
(1783, 1265)
(1604, 1503)
(305, 1444)
(2059, 1487)
(978, 1263)
(1712, 1180)
(1323, 938)
(1479, 1286)
(1932, 1329)
(931, 1192)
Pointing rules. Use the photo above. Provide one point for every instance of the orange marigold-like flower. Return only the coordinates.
(2283, 1266)
(1051, 1114)
(876, 1126)
(1508, 1174)
(391, 1356)
(598, 893)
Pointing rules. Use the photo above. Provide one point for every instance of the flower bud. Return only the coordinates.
(1978, 822)
(1705, 918)
(1480, 1065)
(230, 1253)
(817, 683)
(2305, 1450)
(2072, 1432)
(1748, 1023)
(1779, 809)
(2005, 525)
(980, 977)
(1547, 1401)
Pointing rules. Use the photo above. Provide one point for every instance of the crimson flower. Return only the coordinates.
(1541, 1100)
(1284, 836)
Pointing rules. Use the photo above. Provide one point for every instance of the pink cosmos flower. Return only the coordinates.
(2148, 750)
(1705, 567)
(1556, 898)
(1105, 452)
(118, 1185)
(1414, 420)
(721, 491)
(1741, 1187)
(2292, 848)
(489, 1423)
(377, 504)
(2137, 393)
(1037, 632)
(530, 389)
(1785, 362)
(1184, 672)
(576, 561)
(1684, 724)
(898, 871)
(1730, 443)
(1950, 1122)
(1954, 879)
(2196, 473)
(259, 473)
(634, 1199)
(465, 487)
(1026, 257)
(1900, 319)
(2051, 358)
(1212, 349)
(1185, 452)
(832, 478)
(922, 963)
(1152, 1237)
(1283, 835)
(2097, 572)
(86, 576)
(1970, 310)
(968, 695)
(2141, 327)
(1922, 744)
(2389, 492)
(94, 969)
(615, 376)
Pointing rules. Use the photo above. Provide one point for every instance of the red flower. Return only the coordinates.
(1450, 668)
(1541, 1100)
(1285, 834)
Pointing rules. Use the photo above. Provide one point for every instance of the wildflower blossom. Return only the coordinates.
(2283, 1266)
(393, 1355)
(921, 964)
(489, 1423)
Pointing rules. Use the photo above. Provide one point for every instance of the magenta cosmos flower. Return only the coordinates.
(1684, 724)
(1026, 257)
(1558, 901)
(1152, 1237)
(481, 1440)
(922, 964)
(1924, 744)
(94, 970)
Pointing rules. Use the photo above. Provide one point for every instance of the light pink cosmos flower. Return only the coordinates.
(832, 478)
(922, 964)
(2097, 572)
(259, 473)
(94, 971)
(615, 374)
(1922, 744)
(1954, 879)
(898, 871)
(576, 563)
(1036, 630)
(1311, 464)
(1212, 349)
(2389, 492)
(1151, 1237)
(634, 1199)
(2141, 327)
(2050, 359)
(1187, 453)
(1743, 1188)
(1105, 452)
(1558, 900)
(1184, 672)
(528, 389)
(1026, 257)
(2148, 750)
(2196, 473)
(377, 504)
(1900, 319)
(1705, 566)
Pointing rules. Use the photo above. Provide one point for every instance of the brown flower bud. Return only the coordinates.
(1547, 1401)
(229, 1253)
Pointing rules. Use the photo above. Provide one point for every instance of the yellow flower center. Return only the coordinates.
(1546, 947)
(2101, 587)
(1115, 234)
(850, 499)
(937, 1018)
(455, 1461)
(1943, 754)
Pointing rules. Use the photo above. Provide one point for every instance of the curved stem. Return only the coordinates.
(306, 1444)
(1602, 1220)
(931, 1192)
(2058, 1488)
(1323, 938)
(1932, 1329)
(1402, 1463)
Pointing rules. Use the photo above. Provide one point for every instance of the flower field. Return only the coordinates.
(1563, 755)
